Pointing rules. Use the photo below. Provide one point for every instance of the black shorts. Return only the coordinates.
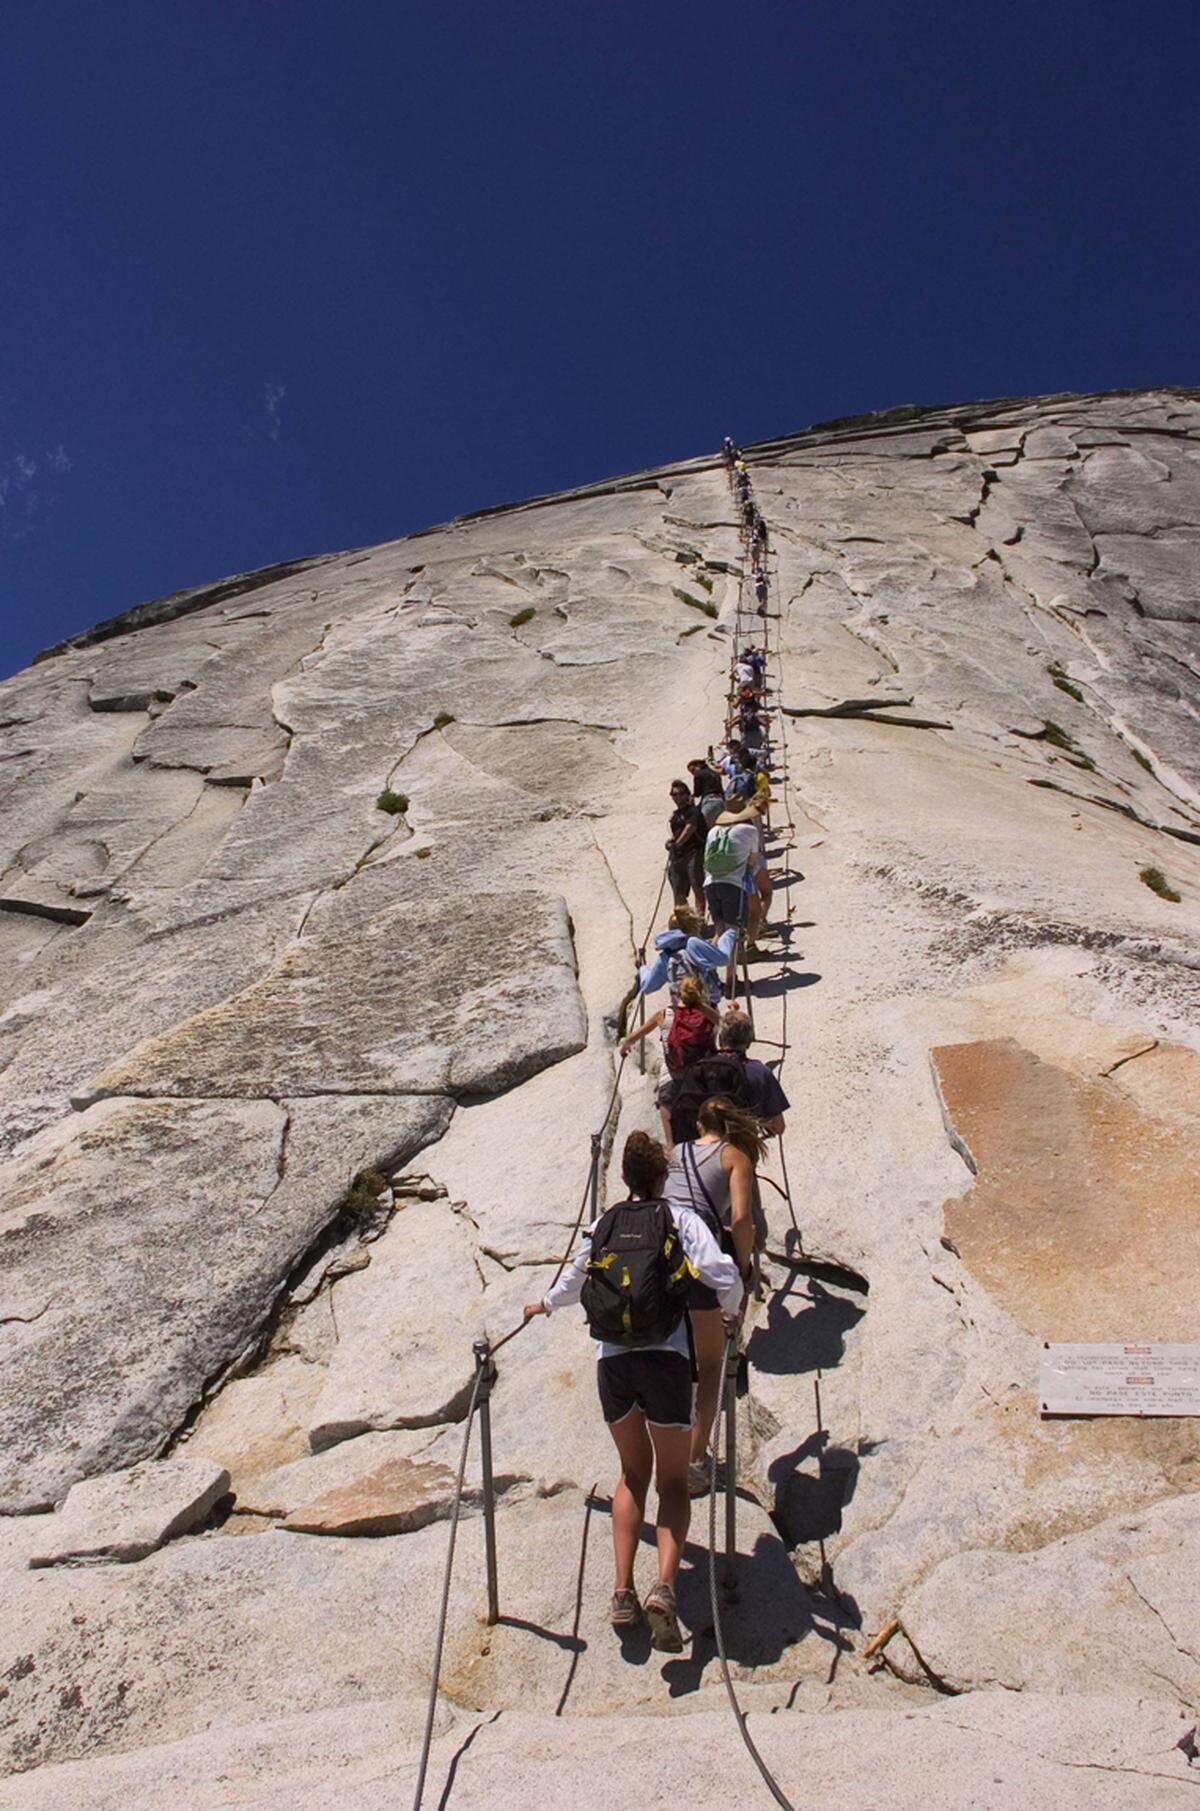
(724, 899)
(658, 1383)
(679, 873)
(686, 873)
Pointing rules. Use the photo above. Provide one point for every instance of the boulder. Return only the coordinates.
(125, 1515)
(145, 1244)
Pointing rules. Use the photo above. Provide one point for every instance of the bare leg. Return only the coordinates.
(708, 1338)
(671, 1447)
(629, 1498)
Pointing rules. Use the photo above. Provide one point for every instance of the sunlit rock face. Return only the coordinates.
(321, 891)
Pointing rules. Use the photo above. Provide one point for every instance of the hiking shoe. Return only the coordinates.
(698, 1478)
(625, 1609)
(664, 1623)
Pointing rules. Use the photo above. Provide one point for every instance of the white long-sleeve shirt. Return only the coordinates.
(711, 1265)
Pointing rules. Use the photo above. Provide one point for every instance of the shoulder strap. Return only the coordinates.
(604, 1225)
(689, 1153)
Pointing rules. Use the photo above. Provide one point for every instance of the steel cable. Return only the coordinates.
(768, 1777)
(441, 1629)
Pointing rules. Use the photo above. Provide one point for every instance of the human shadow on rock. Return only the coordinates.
(809, 1508)
(805, 1330)
(770, 1612)
(785, 984)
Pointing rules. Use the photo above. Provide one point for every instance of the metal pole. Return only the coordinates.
(731, 969)
(641, 956)
(484, 1365)
(729, 1580)
(594, 1182)
(746, 983)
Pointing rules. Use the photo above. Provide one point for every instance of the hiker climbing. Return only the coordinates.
(685, 847)
(732, 844)
(633, 1273)
(711, 1176)
(760, 1087)
(689, 1025)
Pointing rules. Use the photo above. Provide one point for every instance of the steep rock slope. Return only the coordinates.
(341, 867)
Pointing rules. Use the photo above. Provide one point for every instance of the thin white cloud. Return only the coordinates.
(273, 395)
(27, 488)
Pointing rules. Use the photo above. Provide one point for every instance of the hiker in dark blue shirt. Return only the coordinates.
(764, 1096)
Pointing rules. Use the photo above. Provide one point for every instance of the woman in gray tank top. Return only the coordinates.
(714, 1177)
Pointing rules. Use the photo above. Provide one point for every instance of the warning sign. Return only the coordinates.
(1120, 1380)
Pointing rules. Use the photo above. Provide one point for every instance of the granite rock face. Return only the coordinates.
(320, 892)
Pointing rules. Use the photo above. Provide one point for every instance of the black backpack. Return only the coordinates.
(635, 1290)
(720, 1074)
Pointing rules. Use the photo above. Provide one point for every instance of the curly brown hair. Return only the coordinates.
(643, 1165)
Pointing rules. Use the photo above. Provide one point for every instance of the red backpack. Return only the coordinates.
(690, 1038)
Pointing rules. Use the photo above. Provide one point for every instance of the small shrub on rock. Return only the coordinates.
(1064, 684)
(361, 1199)
(1158, 883)
(393, 802)
(442, 719)
(695, 603)
(1057, 737)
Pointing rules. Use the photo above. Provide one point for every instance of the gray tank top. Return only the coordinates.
(695, 1173)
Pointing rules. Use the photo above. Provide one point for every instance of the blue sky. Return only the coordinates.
(280, 278)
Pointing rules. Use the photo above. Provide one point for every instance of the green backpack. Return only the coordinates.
(721, 856)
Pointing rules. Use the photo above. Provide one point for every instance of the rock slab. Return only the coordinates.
(125, 1515)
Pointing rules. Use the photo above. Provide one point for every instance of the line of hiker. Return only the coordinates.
(664, 1275)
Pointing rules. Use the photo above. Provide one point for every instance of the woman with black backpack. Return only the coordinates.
(632, 1272)
(712, 1175)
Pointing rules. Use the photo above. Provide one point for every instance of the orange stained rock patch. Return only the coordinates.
(400, 1495)
(1083, 1218)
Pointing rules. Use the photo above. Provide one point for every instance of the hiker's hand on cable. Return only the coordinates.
(534, 1308)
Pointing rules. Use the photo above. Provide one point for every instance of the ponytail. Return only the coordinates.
(734, 1125)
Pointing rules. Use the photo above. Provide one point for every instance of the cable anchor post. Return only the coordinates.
(594, 1178)
(486, 1372)
(641, 1012)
